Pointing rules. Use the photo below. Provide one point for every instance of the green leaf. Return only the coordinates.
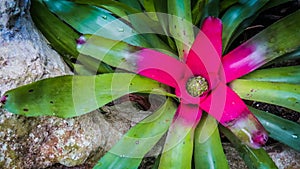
(115, 53)
(225, 4)
(132, 3)
(289, 56)
(208, 152)
(180, 155)
(234, 16)
(247, 22)
(93, 65)
(282, 94)
(93, 20)
(290, 74)
(203, 9)
(69, 96)
(274, 3)
(61, 37)
(180, 25)
(280, 129)
(178, 148)
(130, 150)
(276, 40)
(149, 6)
(139, 21)
(254, 158)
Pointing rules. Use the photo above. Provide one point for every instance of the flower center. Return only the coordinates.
(196, 86)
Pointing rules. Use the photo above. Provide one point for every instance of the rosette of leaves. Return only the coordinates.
(109, 42)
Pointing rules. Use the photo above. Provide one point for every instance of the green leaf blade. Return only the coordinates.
(280, 129)
(282, 94)
(290, 74)
(180, 25)
(254, 158)
(236, 15)
(208, 152)
(69, 96)
(133, 146)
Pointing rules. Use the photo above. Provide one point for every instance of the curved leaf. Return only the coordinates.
(247, 22)
(203, 9)
(132, 3)
(93, 20)
(225, 4)
(69, 96)
(149, 6)
(289, 56)
(208, 152)
(290, 74)
(278, 39)
(280, 129)
(282, 94)
(130, 150)
(139, 21)
(178, 148)
(254, 158)
(180, 25)
(234, 16)
(61, 37)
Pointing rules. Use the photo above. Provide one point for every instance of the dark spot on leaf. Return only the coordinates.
(25, 109)
(6, 95)
(31, 90)
(73, 60)
(51, 102)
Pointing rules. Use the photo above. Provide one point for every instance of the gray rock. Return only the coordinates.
(40, 142)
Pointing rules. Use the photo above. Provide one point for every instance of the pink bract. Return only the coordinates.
(204, 59)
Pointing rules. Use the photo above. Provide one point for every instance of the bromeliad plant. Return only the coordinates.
(201, 78)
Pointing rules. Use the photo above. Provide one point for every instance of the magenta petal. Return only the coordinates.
(187, 115)
(212, 28)
(228, 103)
(236, 116)
(204, 56)
(161, 67)
(242, 60)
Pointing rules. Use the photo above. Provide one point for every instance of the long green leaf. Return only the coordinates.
(149, 6)
(139, 21)
(205, 8)
(69, 96)
(180, 25)
(278, 39)
(236, 15)
(289, 56)
(290, 74)
(130, 150)
(132, 3)
(225, 4)
(208, 152)
(179, 156)
(254, 158)
(93, 20)
(282, 94)
(280, 129)
(247, 22)
(61, 37)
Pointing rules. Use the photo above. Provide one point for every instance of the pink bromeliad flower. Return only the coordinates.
(200, 81)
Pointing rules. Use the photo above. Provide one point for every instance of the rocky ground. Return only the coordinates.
(49, 142)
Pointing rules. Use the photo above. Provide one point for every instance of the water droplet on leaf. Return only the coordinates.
(121, 29)
(104, 16)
